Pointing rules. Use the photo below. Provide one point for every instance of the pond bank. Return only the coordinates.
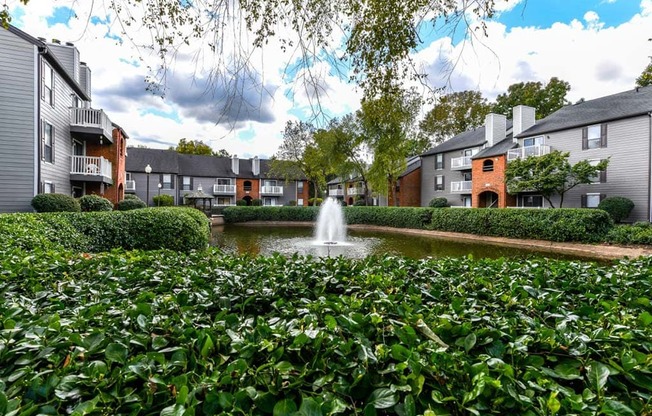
(590, 251)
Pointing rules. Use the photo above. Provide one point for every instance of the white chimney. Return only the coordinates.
(235, 164)
(523, 117)
(495, 128)
(255, 166)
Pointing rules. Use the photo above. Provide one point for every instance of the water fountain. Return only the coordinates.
(330, 232)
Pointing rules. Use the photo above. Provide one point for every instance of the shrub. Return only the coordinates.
(90, 203)
(398, 217)
(241, 203)
(257, 202)
(560, 224)
(439, 202)
(360, 202)
(132, 196)
(163, 200)
(178, 229)
(639, 233)
(315, 202)
(55, 203)
(246, 214)
(128, 204)
(292, 203)
(617, 206)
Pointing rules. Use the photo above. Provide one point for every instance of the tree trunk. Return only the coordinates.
(393, 186)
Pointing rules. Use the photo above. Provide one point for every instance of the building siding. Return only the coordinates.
(17, 123)
(429, 173)
(628, 173)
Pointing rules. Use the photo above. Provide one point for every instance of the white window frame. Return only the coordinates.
(300, 202)
(223, 181)
(270, 182)
(47, 127)
(467, 201)
(300, 187)
(592, 197)
(535, 141)
(166, 184)
(596, 130)
(47, 187)
(439, 183)
(223, 200)
(595, 179)
(186, 186)
(439, 161)
(271, 200)
(48, 84)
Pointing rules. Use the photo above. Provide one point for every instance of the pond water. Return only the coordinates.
(287, 240)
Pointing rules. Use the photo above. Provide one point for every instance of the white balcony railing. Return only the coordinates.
(89, 117)
(355, 191)
(461, 186)
(271, 190)
(336, 192)
(463, 162)
(130, 186)
(91, 166)
(523, 152)
(223, 189)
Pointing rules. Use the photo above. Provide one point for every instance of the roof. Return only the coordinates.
(470, 138)
(205, 166)
(161, 161)
(413, 163)
(52, 59)
(498, 149)
(625, 104)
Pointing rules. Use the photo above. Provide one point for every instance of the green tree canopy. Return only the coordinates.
(453, 114)
(550, 175)
(197, 147)
(372, 40)
(546, 99)
(645, 79)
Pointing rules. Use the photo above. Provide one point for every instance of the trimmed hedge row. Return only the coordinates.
(583, 225)
(639, 233)
(147, 229)
(568, 224)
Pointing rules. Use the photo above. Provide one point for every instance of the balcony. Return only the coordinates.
(90, 124)
(336, 192)
(91, 169)
(223, 189)
(271, 190)
(130, 186)
(523, 152)
(461, 163)
(355, 191)
(461, 187)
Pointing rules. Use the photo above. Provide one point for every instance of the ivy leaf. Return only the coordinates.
(116, 352)
(285, 407)
(310, 407)
(598, 375)
(383, 398)
(469, 341)
(615, 408)
(176, 410)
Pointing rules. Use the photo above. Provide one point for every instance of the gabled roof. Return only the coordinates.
(626, 104)
(205, 166)
(161, 161)
(498, 149)
(413, 163)
(465, 140)
(51, 58)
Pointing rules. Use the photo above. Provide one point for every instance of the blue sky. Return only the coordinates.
(598, 46)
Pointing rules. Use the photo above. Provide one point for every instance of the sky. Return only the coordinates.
(598, 46)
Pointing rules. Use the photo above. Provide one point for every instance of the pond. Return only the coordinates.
(287, 240)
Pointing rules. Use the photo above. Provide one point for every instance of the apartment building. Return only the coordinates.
(51, 139)
(152, 172)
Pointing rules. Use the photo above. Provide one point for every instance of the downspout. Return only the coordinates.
(649, 167)
(39, 57)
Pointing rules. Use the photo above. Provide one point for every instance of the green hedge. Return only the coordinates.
(639, 233)
(147, 229)
(251, 213)
(397, 217)
(92, 203)
(585, 225)
(55, 203)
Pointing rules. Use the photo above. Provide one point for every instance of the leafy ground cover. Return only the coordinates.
(204, 333)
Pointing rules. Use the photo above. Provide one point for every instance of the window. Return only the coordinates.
(488, 166)
(166, 181)
(601, 176)
(47, 87)
(466, 201)
(532, 201)
(47, 142)
(269, 202)
(223, 200)
(470, 152)
(439, 161)
(300, 187)
(76, 102)
(594, 137)
(186, 184)
(439, 183)
(77, 192)
(247, 186)
(223, 181)
(269, 183)
(48, 188)
(467, 176)
(591, 200)
(300, 202)
(533, 141)
(127, 176)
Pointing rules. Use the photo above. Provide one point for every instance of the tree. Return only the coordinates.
(453, 114)
(545, 99)
(388, 124)
(299, 155)
(198, 147)
(645, 79)
(370, 41)
(550, 175)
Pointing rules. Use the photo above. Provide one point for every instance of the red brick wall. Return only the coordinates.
(306, 193)
(493, 181)
(114, 153)
(240, 192)
(409, 194)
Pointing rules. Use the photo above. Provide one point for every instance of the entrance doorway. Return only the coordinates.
(248, 199)
(488, 199)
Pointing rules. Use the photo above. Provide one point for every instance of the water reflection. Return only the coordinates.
(287, 240)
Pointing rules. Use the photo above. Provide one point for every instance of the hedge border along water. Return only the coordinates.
(148, 333)
(567, 224)
(180, 229)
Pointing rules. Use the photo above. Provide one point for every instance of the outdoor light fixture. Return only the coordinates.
(148, 170)
(159, 194)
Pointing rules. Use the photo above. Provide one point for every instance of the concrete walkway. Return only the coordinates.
(589, 251)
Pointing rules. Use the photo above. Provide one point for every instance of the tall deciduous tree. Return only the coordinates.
(378, 36)
(546, 99)
(453, 114)
(300, 156)
(198, 147)
(550, 175)
(645, 79)
(389, 126)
